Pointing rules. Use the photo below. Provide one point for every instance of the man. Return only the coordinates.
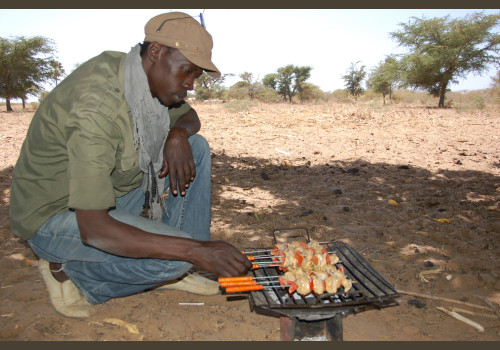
(112, 186)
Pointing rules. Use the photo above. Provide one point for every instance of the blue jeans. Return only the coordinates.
(100, 276)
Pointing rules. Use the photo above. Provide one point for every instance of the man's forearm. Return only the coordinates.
(103, 232)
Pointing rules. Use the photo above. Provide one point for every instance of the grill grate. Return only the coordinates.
(369, 287)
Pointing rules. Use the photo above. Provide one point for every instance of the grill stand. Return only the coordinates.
(292, 328)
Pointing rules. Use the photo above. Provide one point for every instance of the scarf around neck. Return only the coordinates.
(151, 126)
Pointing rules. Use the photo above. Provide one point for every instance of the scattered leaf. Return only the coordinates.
(226, 179)
(464, 218)
(393, 202)
(131, 328)
(443, 220)
(20, 257)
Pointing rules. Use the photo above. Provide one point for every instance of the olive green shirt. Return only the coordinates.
(79, 151)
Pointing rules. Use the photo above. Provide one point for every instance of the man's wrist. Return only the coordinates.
(179, 131)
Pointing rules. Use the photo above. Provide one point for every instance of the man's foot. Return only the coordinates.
(57, 272)
(64, 296)
(193, 283)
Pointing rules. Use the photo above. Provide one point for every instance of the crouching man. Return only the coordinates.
(112, 186)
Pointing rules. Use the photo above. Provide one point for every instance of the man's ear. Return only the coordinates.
(154, 51)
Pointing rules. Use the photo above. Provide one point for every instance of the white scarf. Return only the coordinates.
(151, 126)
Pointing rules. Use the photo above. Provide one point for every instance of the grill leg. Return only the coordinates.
(295, 329)
(287, 328)
(334, 329)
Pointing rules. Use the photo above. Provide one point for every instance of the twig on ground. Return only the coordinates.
(427, 296)
(492, 306)
(422, 275)
(461, 318)
(472, 313)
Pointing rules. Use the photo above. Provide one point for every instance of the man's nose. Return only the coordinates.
(189, 83)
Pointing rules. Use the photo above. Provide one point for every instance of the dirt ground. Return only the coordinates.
(330, 168)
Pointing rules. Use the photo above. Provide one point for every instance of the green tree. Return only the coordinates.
(271, 80)
(208, 88)
(353, 79)
(57, 71)
(252, 85)
(441, 50)
(24, 67)
(288, 81)
(384, 77)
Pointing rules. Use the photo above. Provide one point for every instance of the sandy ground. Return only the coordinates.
(343, 166)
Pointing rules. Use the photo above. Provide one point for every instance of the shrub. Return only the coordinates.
(238, 106)
(268, 95)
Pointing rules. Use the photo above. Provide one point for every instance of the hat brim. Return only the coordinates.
(203, 63)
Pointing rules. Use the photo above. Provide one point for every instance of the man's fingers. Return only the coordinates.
(173, 182)
(182, 183)
(192, 167)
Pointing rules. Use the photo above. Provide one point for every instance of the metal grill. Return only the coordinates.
(369, 287)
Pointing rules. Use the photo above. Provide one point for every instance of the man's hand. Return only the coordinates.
(221, 258)
(178, 160)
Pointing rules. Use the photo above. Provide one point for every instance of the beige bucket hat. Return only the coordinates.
(181, 31)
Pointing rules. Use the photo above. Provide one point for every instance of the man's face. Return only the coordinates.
(171, 75)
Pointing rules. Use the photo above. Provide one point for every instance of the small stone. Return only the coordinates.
(306, 212)
(337, 191)
(428, 263)
(353, 171)
(264, 176)
(417, 251)
(417, 303)
(346, 209)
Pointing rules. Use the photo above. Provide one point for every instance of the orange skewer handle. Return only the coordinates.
(238, 283)
(244, 288)
(251, 258)
(234, 279)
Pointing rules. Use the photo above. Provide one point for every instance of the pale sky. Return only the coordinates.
(256, 41)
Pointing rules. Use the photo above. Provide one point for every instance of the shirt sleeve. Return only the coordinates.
(92, 146)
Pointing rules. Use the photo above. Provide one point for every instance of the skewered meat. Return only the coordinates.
(310, 268)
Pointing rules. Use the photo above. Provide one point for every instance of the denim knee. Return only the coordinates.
(199, 144)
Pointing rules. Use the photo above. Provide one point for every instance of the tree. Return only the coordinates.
(288, 80)
(271, 80)
(252, 84)
(24, 67)
(207, 88)
(353, 79)
(384, 77)
(495, 87)
(443, 50)
(57, 71)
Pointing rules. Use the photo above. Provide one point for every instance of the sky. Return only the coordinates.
(258, 41)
